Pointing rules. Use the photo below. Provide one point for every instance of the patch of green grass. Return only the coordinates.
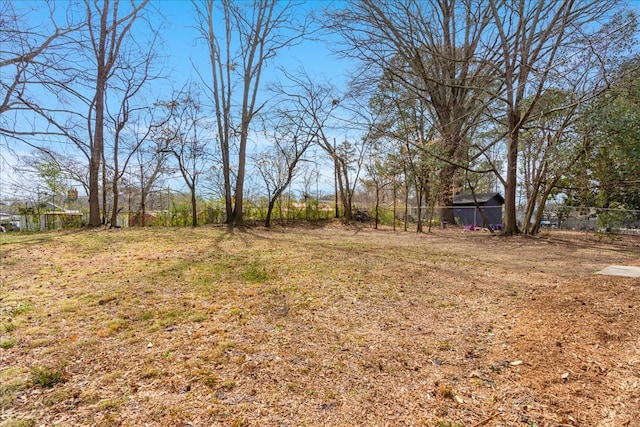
(255, 273)
(7, 401)
(206, 376)
(20, 308)
(112, 327)
(24, 422)
(111, 420)
(8, 343)
(112, 376)
(89, 397)
(9, 326)
(445, 346)
(219, 268)
(447, 304)
(226, 345)
(111, 404)
(57, 396)
(347, 245)
(235, 312)
(210, 381)
(11, 379)
(47, 377)
(198, 317)
(42, 342)
(238, 422)
(12, 382)
(171, 316)
(147, 315)
(222, 351)
(227, 385)
(150, 372)
(70, 306)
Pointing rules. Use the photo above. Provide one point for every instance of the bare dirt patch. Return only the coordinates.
(328, 326)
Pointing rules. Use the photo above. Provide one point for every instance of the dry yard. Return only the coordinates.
(328, 326)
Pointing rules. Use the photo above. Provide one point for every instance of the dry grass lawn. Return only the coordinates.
(327, 326)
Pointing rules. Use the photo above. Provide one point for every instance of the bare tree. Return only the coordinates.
(316, 107)
(150, 164)
(29, 54)
(184, 137)
(378, 176)
(125, 149)
(534, 40)
(278, 165)
(44, 172)
(133, 124)
(85, 81)
(108, 30)
(259, 29)
(405, 123)
(434, 49)
(76, 171)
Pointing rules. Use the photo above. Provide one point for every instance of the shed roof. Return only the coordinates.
(467, 199)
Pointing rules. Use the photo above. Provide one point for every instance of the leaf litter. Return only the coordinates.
(324, 326)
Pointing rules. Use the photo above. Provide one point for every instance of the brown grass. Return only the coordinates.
(332, 326)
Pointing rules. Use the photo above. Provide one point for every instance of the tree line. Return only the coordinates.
(538, 98)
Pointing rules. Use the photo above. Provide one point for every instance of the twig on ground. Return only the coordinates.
(486, 420)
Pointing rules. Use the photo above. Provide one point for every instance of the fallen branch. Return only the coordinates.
(486, 420)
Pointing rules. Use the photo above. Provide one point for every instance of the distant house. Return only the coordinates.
(51, 220)
(9, 222)
(467, 213)
(136, 219)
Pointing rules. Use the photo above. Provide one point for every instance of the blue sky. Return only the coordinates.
(184, 47)
(182, 50)
(186, 51)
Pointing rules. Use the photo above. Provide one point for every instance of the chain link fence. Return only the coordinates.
(590, 219)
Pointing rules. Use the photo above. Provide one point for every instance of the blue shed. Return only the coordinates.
(466, 211)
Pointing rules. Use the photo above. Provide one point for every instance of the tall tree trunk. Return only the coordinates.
(377, 204)
(143, 208)
(419, 196)
(114, 185)
(345, 191)
(97, 146)
(242, 158)
(510, 211)
(105, 189)
(114, 207)
(228, 196)
(194, 207)
(448, 181)
(532, 198)
(395, 202)
(94, 187)
(143, 197)
(336, 172)
(97, 150)
(543, 202)
(406, 196)
(271, 204)
(447, 185)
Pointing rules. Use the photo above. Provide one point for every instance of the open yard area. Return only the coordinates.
(326, 326)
